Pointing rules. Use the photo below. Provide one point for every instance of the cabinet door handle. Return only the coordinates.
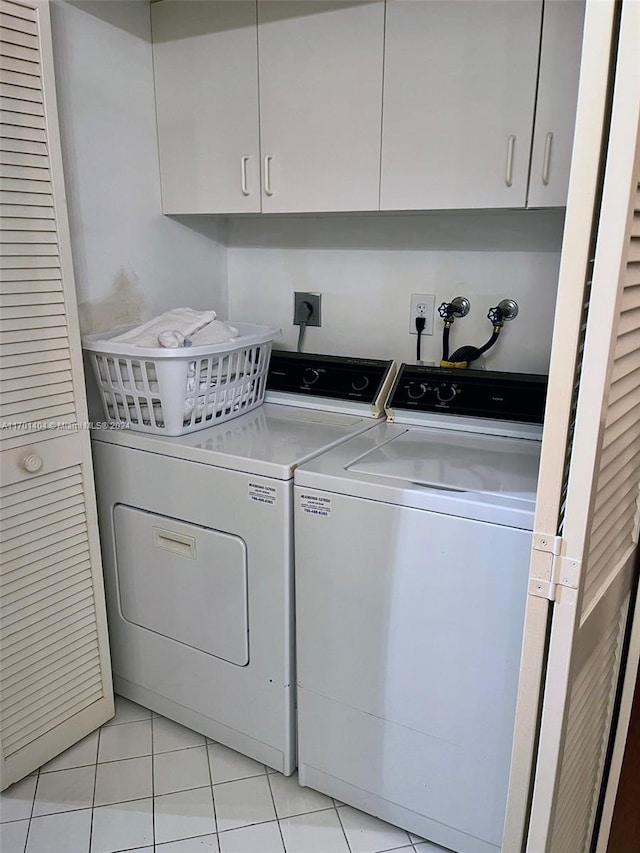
(267, 174)
(508, 172)
(546, 160)
(243, 175)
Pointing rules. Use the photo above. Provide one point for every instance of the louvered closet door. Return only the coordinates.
(592, 559)
(55, 678)
(37, 380)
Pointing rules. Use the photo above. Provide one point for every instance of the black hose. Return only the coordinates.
(494, 337)
(470, 353)
(445, 342)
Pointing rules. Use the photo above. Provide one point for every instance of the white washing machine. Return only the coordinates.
(412, 556)
(197, 543)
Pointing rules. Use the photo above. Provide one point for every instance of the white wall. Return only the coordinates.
(366, 268)
(130, 261)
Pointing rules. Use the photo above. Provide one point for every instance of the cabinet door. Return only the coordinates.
(459, 95)
(557, 100)
(320, 104)
(206, 76)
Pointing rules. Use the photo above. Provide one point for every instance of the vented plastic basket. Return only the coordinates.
(177, 391)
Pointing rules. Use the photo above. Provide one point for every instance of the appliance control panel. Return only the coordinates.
(477, 393)
(336, 377)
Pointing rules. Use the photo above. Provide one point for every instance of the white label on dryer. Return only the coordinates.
(262, 494)
(315, 505)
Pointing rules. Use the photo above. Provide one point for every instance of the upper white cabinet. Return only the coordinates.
(459, 98)
(320, 104)
(206, 73)
(557, 99)
(291, 106)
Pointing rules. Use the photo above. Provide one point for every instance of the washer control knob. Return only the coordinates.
(360, 383)
(310, 376)
(445, 393)
(416, 390)
(32, 463)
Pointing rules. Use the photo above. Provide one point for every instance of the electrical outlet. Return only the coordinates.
(422, 305)
(315, 300)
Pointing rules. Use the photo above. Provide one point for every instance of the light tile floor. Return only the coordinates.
(143, 783)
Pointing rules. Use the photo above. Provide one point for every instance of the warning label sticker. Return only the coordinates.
(315, 505)
(262, 494)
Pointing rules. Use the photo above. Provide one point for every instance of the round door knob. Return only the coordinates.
(32, 463)
(445, 393)
(360, 384)
(310, 376)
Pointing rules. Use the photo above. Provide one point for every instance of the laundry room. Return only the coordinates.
(128, 258)
(305, 604)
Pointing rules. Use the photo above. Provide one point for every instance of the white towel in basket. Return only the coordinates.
(216, 332)
(183, 320)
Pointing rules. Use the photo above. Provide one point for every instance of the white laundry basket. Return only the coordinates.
(177, 391)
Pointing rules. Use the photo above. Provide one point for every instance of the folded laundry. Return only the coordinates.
(184, 321)
(216, 332)
(170, 339)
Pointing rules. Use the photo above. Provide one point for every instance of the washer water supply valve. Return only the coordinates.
(458, 307)
(506, 310)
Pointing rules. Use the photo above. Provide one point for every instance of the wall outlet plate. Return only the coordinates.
(422, 305)
(315, 300)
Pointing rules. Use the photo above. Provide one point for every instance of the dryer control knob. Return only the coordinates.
(416, 390)
(360, 384)
(310, 376)
(32, 463)
(445, 393)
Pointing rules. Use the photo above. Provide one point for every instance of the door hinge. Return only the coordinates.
(550, 568)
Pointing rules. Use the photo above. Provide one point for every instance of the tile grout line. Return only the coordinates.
(95, 785)
(262, 822)
(118, 760)
(344, 832)
(33, 805)
(273, 800)
(153, 789)
(110, 723)
(213, 796)
(408, 846)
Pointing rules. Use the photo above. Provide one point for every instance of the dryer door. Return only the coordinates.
(186, 582)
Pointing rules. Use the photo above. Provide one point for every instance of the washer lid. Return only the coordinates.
(457, 461)
(482, 477)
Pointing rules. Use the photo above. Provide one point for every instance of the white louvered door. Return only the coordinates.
(55, 676)
(584, 556)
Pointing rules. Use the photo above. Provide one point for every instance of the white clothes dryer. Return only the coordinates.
(412, 555)
(197, 541)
